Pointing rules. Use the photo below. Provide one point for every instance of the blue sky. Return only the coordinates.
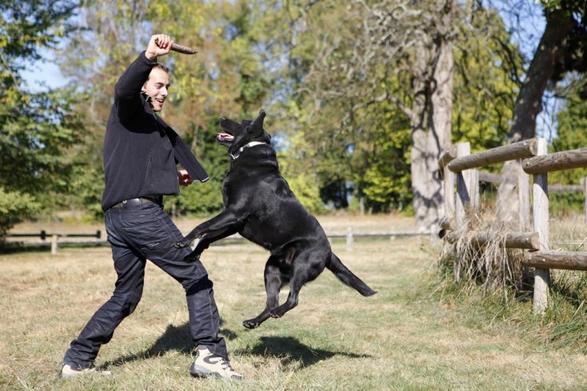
(43, 74)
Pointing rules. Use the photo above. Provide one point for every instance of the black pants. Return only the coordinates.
(138, 232)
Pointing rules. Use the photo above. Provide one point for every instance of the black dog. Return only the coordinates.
(260, 206)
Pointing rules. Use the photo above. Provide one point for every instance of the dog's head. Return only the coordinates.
(235, 135)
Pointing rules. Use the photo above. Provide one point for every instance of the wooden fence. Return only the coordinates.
(350, 237)
(460, 169)
(56, 238)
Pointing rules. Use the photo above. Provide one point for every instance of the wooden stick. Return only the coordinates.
(571, 260)
(564, 160)
(525, 240)
(180, 48)
(519, 150)
(183, 49)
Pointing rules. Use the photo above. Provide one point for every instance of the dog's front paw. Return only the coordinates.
(275, 314)
(188, 243)
(182, 244)
(251, 323)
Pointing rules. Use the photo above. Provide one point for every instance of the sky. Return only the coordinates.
(43, 74)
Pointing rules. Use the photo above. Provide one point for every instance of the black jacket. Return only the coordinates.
(140, 150)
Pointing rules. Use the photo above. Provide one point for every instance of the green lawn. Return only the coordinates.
(403, 338)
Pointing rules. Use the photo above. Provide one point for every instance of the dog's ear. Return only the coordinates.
(258, 123)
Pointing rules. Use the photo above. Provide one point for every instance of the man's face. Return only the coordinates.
(156, 88)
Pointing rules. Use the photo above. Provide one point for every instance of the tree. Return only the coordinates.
(400, 54)
(36, 129)
(561, 49)
(353, 95)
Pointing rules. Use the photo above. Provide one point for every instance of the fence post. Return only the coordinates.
(523, 199)
(449, 192)
(349, 239)
(585, 197)
(463, 199)
(472, 176)
(540, 217)
(54, 244)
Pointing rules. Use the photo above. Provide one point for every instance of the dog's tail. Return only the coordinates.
(347, 277)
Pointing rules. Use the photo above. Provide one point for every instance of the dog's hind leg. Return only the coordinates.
(274, 280)
(306, 267)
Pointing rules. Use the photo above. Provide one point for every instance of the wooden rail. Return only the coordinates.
(43, 235)
(525, 240)
(496, 179)
(350, 237)
(520, 150)
(55, 237)
(490, 177)
(535, 160)
(557, 161)
(571, 260)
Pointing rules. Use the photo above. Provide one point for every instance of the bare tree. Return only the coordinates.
(414, 42)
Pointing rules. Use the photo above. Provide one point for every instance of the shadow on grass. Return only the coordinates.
(289, 350)
(175, 338)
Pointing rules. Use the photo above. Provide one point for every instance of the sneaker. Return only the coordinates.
(68, 371)
(208, 364)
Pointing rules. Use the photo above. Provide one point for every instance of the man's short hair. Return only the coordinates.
(161, 66)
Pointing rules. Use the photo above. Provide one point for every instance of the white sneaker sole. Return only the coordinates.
(202, 372)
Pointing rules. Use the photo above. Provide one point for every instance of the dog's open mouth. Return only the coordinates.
(224, 137)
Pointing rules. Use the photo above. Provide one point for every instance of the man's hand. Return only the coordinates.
(159, 45)
(184, 178)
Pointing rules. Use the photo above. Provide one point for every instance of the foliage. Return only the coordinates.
(206, 198)
(37, 130)
(486, 67)
(299, 60)
(571, 134)
(14, 206)
(302, 180)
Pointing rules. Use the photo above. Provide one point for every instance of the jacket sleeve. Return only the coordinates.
(128, 88)
(130, 83)
(185, 157)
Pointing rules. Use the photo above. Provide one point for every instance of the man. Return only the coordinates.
(140, 156)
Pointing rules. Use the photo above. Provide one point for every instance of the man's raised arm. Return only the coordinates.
(130, 83)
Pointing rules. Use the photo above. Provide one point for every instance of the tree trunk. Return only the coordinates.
(431, 134)
(529, 104)
(549, 51)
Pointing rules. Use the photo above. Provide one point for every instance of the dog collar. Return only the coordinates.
(241, 149)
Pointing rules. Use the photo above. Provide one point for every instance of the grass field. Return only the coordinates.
(402, 338)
